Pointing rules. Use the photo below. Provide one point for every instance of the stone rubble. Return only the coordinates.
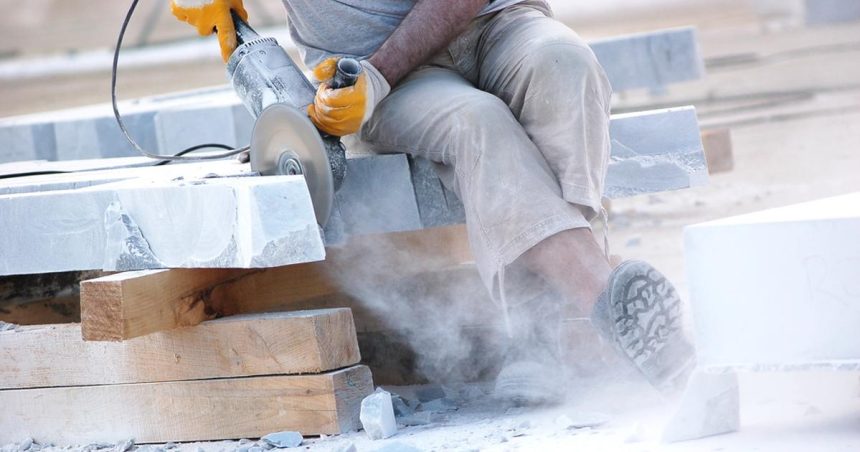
(377, 415)
(283, 440)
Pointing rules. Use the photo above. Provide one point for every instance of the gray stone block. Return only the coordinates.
(243, 124)
(244, 222)
(101, 137)
(650, 60)
(181, 128)
(377, 196)
(824, 12)
(655, 151)
(437, 205)
(24, 141)
(141, 127)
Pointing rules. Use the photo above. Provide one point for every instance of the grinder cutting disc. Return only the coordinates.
(286, 142)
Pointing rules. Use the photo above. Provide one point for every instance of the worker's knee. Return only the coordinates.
(477, 109)
(562, 65)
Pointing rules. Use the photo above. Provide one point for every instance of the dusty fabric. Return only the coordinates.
(516, 115)
(355, 28)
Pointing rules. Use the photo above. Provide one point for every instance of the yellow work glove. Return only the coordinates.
(342, 111)
(211, 15)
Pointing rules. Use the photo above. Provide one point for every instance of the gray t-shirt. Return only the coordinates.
(355, 28)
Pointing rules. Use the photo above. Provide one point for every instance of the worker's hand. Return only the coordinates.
(342, 111)
(211, 15)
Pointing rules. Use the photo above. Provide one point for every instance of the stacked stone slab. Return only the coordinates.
(650, 60)
(179, 216)
(241, 222)
(170, 123)
(824, 12)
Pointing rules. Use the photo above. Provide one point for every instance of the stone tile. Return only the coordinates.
(223, 222)
(824, 12)
(181, 128)
(377, 196)
(650, 60)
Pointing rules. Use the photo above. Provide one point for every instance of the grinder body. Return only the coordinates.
(265, 77)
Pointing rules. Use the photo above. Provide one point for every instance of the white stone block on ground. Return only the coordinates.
(709, 406)
(779, 287)
(139, 224)
(377, 415)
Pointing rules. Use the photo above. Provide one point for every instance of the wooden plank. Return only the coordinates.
(718, 150)
(132, 304)
(248, 345)
(187, 410)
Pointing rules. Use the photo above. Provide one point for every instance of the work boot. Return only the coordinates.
(640, 313)
(530, 373)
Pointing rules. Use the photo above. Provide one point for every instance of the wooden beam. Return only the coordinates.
(718, 150)
(240, 346)
(126, 305)
(187, 410)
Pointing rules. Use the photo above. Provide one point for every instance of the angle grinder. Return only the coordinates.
(284, 140)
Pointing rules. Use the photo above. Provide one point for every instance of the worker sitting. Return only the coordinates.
(513, 108)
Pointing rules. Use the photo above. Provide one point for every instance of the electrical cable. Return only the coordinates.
(164, 158)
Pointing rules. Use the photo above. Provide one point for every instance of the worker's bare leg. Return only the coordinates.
(574, 264)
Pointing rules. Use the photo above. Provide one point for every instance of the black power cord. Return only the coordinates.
(164, 158)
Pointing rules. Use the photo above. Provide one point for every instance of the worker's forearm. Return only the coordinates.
(428, 28)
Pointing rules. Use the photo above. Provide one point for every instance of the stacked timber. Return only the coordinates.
(235, 377)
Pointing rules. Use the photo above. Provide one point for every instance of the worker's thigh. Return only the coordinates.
(554, 86)
(511, 197)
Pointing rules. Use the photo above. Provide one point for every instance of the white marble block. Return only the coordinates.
(778, 288)
(238, 222)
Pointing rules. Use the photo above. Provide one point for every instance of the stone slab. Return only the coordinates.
(777, 288)
(244, 222)
(87, 173)
(377, 196)
(101, 137)
(172, 122)
(180, 128)
(27, 142)
(652, 152)
(437, 205)
(824, 12)
(650, 60)
(655, 151)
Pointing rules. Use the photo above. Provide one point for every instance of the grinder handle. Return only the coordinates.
(348, 70)
(244, 32)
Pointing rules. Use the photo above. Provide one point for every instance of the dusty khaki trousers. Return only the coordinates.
(516, 115)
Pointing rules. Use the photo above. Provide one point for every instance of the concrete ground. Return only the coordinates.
(794, 112)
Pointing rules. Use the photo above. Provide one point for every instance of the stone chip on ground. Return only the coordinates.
(283, 440)
(581, 420)
(377, 415)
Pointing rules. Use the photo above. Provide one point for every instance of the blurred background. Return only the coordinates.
(55, 52)
(784, 84)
